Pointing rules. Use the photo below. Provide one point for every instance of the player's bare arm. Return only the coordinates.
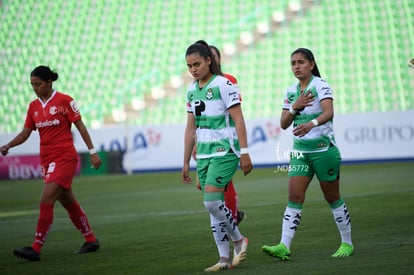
(19, 139)
(237, 116)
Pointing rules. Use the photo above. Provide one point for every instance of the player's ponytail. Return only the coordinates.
(44, 73)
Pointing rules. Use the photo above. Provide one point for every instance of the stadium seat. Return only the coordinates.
(103, 49)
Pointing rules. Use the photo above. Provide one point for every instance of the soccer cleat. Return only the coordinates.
(280, 251)
(27, 253)
(238, 258)
(240, 216)
(345, 250)
(219, 266)
(89, 247)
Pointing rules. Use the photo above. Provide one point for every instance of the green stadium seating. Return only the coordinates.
(108, 53)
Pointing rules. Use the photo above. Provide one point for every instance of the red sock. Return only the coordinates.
(230, 197)
(44, 222)
(80, 220)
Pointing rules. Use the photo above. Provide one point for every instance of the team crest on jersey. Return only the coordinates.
(53, 110)
(209, 94)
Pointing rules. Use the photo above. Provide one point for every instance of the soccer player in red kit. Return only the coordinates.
(52, 114)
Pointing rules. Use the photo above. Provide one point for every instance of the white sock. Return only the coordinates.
(291, 221)
(343, 222)
(220, 237)
(223, 215)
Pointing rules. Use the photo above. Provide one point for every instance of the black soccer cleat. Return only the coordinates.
(89, 247)
(240, 216)
(27, 253)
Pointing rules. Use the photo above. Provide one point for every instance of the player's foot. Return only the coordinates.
(89, 247)
(27, 253)
(280, 251)
(240, 216)
(238, 258)
(219, 266)
(345, 250)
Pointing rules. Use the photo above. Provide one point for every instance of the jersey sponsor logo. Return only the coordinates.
(47, 123)
(327, 91)
(74, 107)
(58, 110)
(200, 107)
(203, 127)
(220, 149)
(53, 110)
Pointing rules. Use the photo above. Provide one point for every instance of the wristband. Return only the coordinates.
(292, 111)
(244, 151)
(315, 122)
(92, 151)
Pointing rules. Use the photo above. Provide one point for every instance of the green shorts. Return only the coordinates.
(217, 171)
(324, 164)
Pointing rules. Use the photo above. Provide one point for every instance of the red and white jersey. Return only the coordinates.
(234, 81)
(230, 77)
(53, 119)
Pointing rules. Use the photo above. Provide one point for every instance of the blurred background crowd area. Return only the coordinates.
(124, 61)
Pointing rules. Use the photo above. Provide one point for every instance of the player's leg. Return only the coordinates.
(230, 197)
(220, 236)
(49, 195)
(80, 220)
(327, 166)
(300, 176)
(291, 218)
(220, 171)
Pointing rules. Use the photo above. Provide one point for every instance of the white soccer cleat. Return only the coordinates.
(219, 266)
(238, 258)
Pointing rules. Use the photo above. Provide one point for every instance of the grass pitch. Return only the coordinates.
(154, 224)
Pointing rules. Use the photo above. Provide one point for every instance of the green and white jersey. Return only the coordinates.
(318, 138)
(216, 132)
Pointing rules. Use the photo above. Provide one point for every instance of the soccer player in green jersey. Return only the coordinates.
(230, 195)
(216, 125)
(309, 106)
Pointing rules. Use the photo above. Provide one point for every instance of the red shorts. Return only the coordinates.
(60, 172)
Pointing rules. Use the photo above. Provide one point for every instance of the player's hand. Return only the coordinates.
(4, 149)
(305, 99)
(96, 161)
(185, 176)
(303, 129)
(245, 163)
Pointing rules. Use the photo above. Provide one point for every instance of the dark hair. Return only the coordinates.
(219, 56)
(309, 56)
(44, 73)
(203, 49)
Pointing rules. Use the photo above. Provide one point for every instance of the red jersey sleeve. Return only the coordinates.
(231, 78)
(29, 122)
(234, 81)
(73, 113)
